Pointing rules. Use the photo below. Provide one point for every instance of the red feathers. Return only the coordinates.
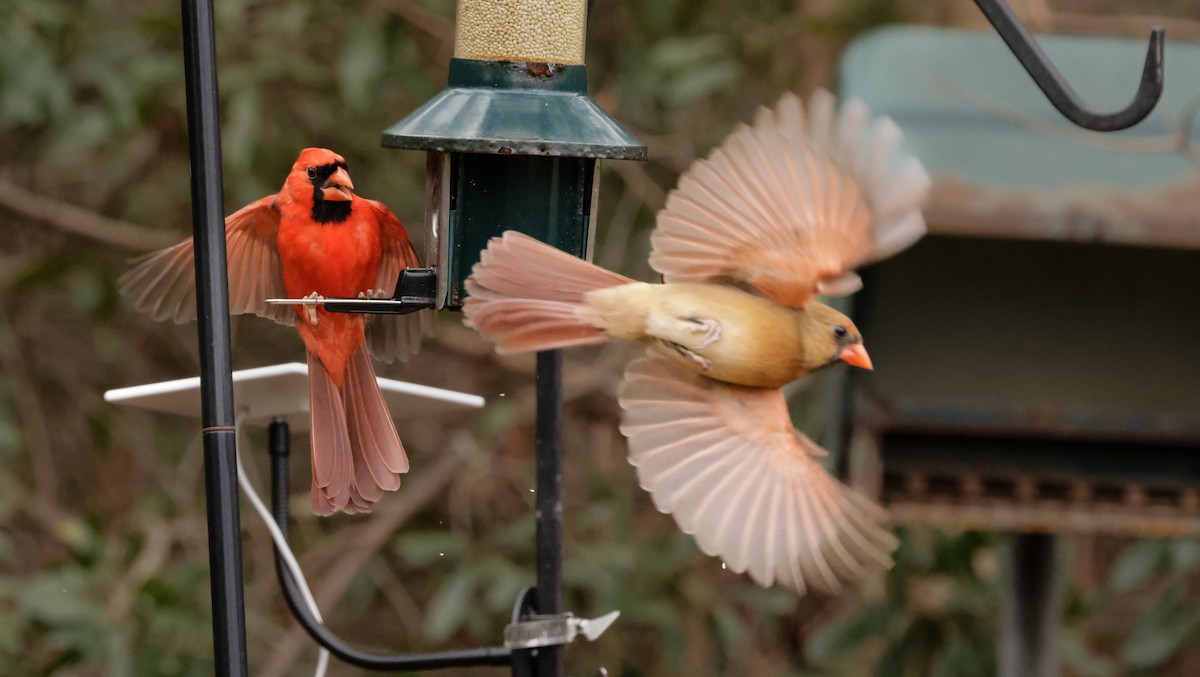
(314, 236)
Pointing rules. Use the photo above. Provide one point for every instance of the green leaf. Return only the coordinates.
(11, 626)
(1077, 656)
(675, 55)
(960, 659)
(518, 535)
(729, 626)
(837, 639)
(450, 605)
(1137, 563)
(1162, 630)
(701, 82)
(58, 597)
(505, 586)
(360, 65)
(1185, 555)
(422, 548)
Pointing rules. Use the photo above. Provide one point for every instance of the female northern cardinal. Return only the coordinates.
(782, 211)
(314, 237)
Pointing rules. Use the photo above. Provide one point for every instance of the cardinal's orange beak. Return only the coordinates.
(338, 187)
(857, 356)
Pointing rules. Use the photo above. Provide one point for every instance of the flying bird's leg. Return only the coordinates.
(311, 308)
(709, 330)
(693, 333)
(704, 363)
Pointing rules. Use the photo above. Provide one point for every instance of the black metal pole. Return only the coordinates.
(549, 503)
(1033, 611)
(212, 312)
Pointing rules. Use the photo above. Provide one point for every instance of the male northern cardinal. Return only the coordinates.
(782, 211)
(314, 237)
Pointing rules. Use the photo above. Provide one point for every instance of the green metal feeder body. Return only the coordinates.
(513, 141)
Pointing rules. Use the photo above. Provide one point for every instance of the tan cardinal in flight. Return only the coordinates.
(314, 237)
(783, 211)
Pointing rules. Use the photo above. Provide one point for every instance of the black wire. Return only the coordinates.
(280, 443)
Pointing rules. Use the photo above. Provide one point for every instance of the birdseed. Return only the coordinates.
(549, 31)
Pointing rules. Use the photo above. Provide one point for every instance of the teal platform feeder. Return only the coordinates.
(512, 144)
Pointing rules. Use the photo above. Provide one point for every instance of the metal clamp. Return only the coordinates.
(415, 290)
(540, 631)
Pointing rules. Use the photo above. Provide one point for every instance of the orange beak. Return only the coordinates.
(338, 187)
(856, 355)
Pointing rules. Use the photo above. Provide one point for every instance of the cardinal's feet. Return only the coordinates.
(311, 308)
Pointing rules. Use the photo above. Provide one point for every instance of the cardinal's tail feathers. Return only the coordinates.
(356, 453)
(525, 295)
(332, 460)
(379, 457)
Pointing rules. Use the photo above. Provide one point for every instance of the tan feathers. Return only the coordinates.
(794, 200)
(782, 211)
(524, 295)
(726, 462)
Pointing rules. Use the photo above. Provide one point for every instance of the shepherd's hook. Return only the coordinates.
(1060, 94)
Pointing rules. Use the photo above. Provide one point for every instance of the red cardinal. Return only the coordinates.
(782, 211)
(314, 237)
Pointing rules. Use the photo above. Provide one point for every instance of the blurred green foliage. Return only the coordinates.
(103, 567)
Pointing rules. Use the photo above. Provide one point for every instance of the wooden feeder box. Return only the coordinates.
(1035, 355)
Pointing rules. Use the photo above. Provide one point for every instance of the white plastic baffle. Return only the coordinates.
(281, 390)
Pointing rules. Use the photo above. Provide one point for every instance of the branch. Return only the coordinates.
(80, 221)
(639, 181)
(1132, 25)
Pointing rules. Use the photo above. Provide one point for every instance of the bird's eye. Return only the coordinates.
(312, 172)
(839, 331)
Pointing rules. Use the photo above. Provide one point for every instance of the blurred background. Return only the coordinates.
(103, 564)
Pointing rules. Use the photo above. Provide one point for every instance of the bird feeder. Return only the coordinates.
(513, 142)
(1035, 366)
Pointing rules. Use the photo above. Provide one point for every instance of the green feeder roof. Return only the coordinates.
(517, 108)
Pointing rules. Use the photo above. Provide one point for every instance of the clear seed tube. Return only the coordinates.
(550, 31)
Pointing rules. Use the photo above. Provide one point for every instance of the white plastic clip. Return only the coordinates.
(555, 630)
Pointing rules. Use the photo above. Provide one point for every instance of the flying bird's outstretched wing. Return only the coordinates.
(790, 205)
(726, 462)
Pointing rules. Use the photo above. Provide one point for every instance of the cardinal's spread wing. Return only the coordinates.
(791, 205)
(395, 336)
(163, 284)
(726, 462)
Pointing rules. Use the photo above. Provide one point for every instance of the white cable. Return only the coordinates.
(280, 543)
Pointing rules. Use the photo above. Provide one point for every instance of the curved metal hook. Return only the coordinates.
(1060, 94)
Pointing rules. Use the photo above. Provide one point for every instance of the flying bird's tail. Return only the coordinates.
(356, 453)
(525, 295)
(725, 461)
